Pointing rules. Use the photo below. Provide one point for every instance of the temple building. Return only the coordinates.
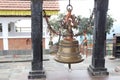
(15, 23)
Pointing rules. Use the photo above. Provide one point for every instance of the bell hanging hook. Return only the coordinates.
(69, 7)
(69, 2)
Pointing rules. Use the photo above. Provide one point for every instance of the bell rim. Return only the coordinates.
(65, 62)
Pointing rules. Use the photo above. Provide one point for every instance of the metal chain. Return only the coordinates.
(69, 3)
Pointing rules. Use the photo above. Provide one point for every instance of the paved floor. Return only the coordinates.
(54, 70)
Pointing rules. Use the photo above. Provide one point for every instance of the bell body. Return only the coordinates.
(68, 52)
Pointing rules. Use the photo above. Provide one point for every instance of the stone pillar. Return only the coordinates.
(36, 35)
(97, 67)
(5, 35)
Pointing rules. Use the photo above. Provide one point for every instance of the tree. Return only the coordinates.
(84, 26)
(109, 23)
(55, 21)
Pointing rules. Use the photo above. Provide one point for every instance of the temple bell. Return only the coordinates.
(68, 51)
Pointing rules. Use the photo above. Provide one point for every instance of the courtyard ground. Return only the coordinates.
(17, 67)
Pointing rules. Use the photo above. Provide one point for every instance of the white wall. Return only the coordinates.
(20, 22)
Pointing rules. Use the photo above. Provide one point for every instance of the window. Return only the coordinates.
(23, 26)
(9, 27)
(0, 27)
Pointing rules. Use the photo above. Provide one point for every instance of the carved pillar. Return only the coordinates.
(99, 40)
(36, 35)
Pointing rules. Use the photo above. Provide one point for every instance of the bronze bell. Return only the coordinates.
(68, 52)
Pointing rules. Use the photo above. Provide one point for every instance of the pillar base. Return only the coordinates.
(37, 74)
(97, 71)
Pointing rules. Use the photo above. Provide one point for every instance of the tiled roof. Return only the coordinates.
(25, 5)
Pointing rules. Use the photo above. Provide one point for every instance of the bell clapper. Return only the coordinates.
(69, 66)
